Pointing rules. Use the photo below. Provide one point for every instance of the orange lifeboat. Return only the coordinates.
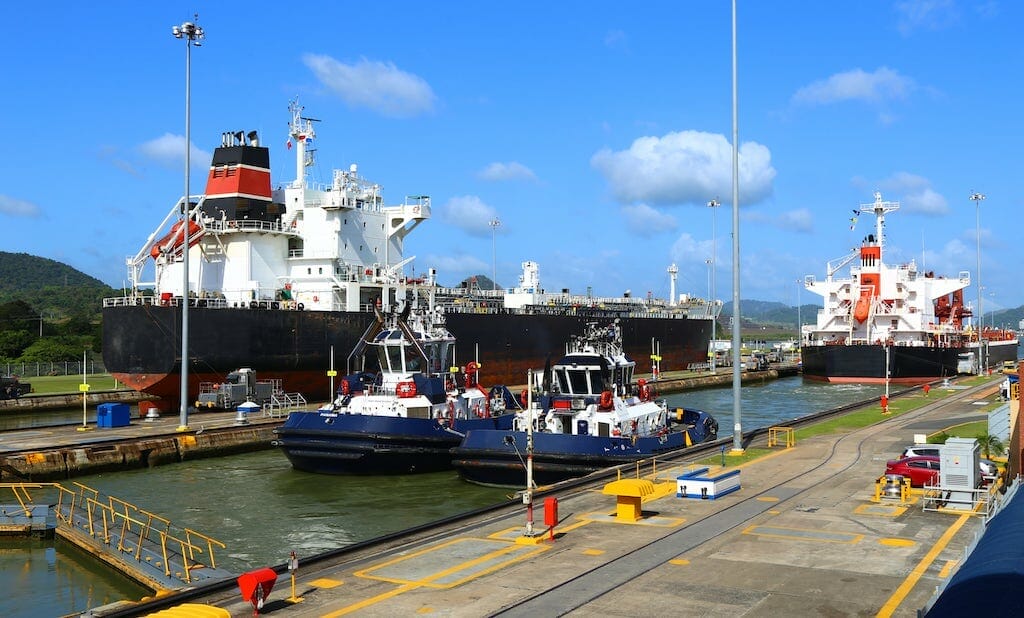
(172, 241)
(863, 308)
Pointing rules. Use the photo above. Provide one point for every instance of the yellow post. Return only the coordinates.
(293, 566)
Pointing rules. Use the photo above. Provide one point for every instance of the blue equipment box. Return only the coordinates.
(113, 415)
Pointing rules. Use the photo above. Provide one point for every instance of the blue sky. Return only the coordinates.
(595, 132)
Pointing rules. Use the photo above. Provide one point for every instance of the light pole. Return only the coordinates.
(711, 301)
(977, 198)
(737, 423)
(713, 205)
(192, 35)
(494, 223)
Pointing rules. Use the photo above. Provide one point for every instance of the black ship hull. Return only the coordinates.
(142, 343)
(907, 365)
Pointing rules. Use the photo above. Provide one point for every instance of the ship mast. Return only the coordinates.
(300, 129)
(879, 209)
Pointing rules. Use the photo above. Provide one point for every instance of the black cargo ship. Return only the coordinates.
(281, 279)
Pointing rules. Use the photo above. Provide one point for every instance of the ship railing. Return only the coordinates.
(281, 403)
(210, 302)
(222, 226)
(573, 310)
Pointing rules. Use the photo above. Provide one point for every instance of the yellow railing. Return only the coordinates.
(20, 491)
(83, 508)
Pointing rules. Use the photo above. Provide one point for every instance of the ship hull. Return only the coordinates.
(142, 343)
(359, 444)
(496, 458)
(907, 364)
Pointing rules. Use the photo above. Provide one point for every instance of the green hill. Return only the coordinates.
(49, 311)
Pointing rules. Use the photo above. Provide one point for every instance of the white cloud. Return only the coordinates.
(379, 86)
(454, 268)
(926, 201)
(950, 258)
(18, 208)
(470, 214)
(507, 171)
(800, 220)
(616, 38)
(643, 220)
(925, 15)
(856, 85)
(916, 193)
(169, 150)
(688, 166)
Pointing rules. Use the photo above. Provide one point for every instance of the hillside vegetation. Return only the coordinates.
(49, 311)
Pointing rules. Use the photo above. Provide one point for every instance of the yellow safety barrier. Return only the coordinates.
(787, 433)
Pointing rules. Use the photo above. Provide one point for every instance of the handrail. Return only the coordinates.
(84, 510)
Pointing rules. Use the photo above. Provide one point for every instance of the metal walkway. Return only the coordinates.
(144, 546)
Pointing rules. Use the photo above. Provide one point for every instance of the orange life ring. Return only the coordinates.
(606, 400)
(346, 388)
(524, 396)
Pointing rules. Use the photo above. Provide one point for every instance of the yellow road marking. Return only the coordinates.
(427, 581)
(679, 561)
(897, 542)
(945, 571)
(804, 534)
(915, 575)
(593, 552)
(371, 601)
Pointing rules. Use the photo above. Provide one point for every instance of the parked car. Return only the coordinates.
(921, 470)
(1009, 366)
(987, 467)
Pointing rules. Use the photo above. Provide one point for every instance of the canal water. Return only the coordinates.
(262, 509)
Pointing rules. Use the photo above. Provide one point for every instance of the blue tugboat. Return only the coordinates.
(403, 410)
(591, 416)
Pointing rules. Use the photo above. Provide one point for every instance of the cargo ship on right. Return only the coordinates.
(895, 323)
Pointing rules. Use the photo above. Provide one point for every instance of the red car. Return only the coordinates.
(921, 470)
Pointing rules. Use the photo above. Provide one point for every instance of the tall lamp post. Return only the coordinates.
(711, 300)
(713, 205)
(737, 423)
(193, 35)
(977, 198)
(494, 223)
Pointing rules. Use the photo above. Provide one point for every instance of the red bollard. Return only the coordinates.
(256, 586)
(926, 388)
(885, 404)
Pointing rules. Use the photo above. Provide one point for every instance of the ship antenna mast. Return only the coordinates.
(879, 209)
(300, 129)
